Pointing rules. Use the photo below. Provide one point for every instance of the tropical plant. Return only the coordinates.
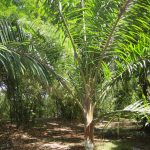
(103, 39)
(98, 30)
(19, 57)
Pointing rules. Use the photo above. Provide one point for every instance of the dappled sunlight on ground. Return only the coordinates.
(49, 135)
(63, 135)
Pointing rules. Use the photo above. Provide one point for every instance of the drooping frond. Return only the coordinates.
(15, 52)
(7, 58)
(138, 107)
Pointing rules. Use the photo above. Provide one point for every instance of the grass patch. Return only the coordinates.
(122, 145)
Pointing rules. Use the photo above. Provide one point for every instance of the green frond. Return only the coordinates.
(13, 52)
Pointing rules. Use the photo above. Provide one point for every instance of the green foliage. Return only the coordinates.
(16, 52)
(94, 45)
(4, 107)
(21, 53)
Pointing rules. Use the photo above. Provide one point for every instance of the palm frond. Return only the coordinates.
(135, 56)
(138, 107)
(13, 50)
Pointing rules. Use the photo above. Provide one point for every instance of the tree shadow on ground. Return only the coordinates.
(51, 134)
(58, 134)
(59, 131)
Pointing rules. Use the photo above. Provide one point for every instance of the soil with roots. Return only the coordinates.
(56, 134)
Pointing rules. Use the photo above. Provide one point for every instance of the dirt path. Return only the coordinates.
(62, 135)
(54, 134)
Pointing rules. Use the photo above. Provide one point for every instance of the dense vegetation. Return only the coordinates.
(72, 59)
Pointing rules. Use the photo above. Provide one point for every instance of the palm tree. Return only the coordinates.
(17, 58)
(98, 31)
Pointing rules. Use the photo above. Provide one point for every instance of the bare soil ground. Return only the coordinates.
(55, 134)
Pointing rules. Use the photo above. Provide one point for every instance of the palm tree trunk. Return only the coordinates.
(89, 126)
